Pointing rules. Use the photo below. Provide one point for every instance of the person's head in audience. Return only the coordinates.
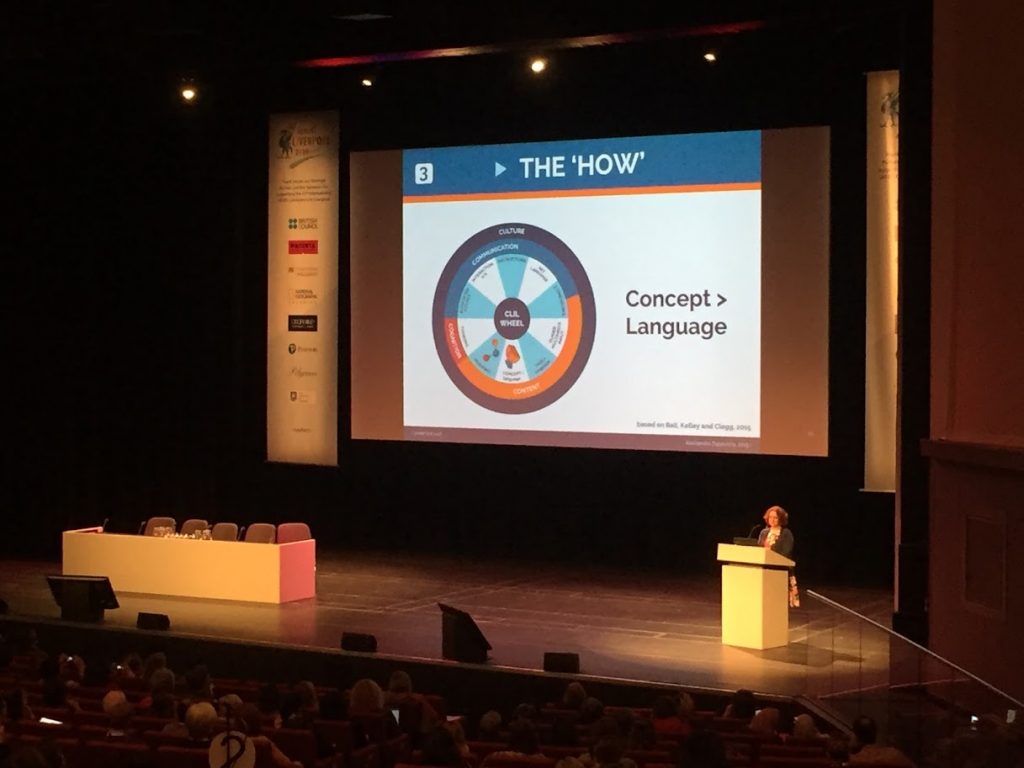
(290, 705)
(308, 701)
(742, 705)
(162, 681)
(117, 708)
(332, 705)
(574, 695)
(250, 720)
(522, 737)
(439, 748)
(365, 697)
(686, 706)
(605, 728)
(153, 662)
(229, 705)
(804, 727)
(591, 710)
(132, 664)
(490, 726)
(454, 727)
(641, 735)
(664, 707)
(625, 718)
(197, 684)
(864, 732)
(702, 749)
(765, 722)
(72, 669)
(201, 721)
(525, 711)
(268, 699)
(609, 751)
(400, 683)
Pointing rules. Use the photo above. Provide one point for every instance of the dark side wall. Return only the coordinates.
(976, 448)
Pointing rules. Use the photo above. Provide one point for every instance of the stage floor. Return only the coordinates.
(627, 625)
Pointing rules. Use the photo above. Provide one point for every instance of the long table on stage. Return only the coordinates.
(182, 567)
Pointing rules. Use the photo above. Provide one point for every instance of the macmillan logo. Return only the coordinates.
(304, 222)
(303, 246)
(301, 322)
(293, 348)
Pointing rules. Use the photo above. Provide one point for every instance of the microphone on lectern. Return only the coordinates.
(754, 531)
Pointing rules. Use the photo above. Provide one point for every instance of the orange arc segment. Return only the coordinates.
(543, 382)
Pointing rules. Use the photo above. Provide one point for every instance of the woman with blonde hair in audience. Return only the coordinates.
(766, 722)
(371, 721)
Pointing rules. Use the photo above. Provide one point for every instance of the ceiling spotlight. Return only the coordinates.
(710, 57)
(538, 65)
(366, 82)
(188, 92)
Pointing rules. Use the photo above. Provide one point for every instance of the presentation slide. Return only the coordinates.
(611, 293)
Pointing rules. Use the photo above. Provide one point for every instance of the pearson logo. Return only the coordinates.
(303, 246)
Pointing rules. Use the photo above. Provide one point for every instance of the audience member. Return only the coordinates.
(439, 748)
(268, 754)
(201, 722)
(864, 750)
(591, 710)
(667, 719)
(489, 728)
(574, 696)
(523, 744)
(268, 699)
(742, 705)
(308, 708)
(805, 729)
(765, 722)
(119, 714)
(155, 661)
(417, 716)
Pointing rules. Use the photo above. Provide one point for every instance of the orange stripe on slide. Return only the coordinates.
(739, 186)
(547, 379)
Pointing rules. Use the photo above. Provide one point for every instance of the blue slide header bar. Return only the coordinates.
(644, 161)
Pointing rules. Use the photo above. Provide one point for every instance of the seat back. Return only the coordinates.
(261, 533)
(159, 522)
(225, 532)
(293, 532)
(189, 527)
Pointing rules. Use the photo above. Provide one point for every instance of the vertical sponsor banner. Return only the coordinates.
(302, 289)
(883, 126)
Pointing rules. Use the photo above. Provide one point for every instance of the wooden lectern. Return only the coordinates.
(755, 596)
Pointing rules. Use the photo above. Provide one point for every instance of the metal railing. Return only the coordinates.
(936, 712)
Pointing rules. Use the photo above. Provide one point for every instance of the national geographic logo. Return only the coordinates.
(304, 222)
